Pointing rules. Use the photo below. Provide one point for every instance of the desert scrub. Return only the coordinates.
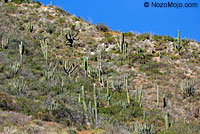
(1, 67)
(102, 27)
(182, 128)
(9, 8)
(119, 109)
(21, 1)
(108, 38)
(129, 34)
(143, 37)
(6, 101)
(163, 38)
(151, 68)
(140, 57)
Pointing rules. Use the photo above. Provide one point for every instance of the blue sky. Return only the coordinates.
(131, 15)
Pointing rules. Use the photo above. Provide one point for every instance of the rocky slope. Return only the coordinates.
(40, 91)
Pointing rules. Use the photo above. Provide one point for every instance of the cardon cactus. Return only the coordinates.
(158, 99)
(143, 128)
(4, 42)
(21, 51)
(188, 89)
(127, 92)
(44, 46)
(167, 124)
(84, 105)
(72, 33)
(95, 104)
(179, 44)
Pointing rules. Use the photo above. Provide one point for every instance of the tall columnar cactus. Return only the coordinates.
(101, 79)
(140, 96)
(99, 75)
(127, 92)
(107, 91)
(91, 113)
(158, 99)
(86, 66)
(136, 94)
(125, 48)
(164, 101)
(44, 46)
(79, 98)
(178, 45)
(122, 42)
(167, 121)
(4, 42)
(144, 116)
(95, 104)
(108, 97)
(21, 51)
(84, 105)
(30, 27)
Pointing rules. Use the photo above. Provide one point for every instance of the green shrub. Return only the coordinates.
(21, 1)
(143, 37)
(163, 38)
(129, 34)
(102, 27)
(150, 67)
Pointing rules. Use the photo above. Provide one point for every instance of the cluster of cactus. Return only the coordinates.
(15, 67)
(117, 85)
(71, 34)
(29, 27)
(67, 68)
(178, 45)
(44, 46)
(121, 43)
(188, 89)
(164, 101)
(139, 97)
(4, 42)
(90, 110)
(48, 73)
(143, 128)
(51, 104)
(20, 85)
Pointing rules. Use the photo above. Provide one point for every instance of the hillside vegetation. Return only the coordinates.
(61, 74)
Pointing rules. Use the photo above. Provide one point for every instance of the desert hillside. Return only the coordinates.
(60, 74)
